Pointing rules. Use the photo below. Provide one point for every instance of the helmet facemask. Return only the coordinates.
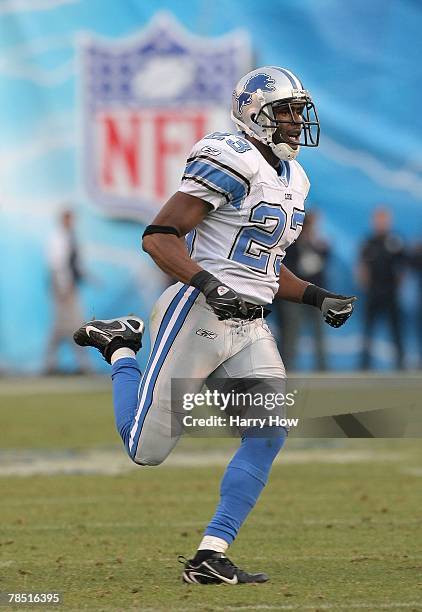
(272, 127)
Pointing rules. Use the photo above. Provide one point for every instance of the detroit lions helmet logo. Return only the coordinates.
(257, 81)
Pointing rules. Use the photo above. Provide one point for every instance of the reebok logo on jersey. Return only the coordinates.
(210, 151)
(206, 333)
(287, 196)
(221, 290)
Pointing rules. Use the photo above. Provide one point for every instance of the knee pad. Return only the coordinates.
(148, 457)
(150, 461)
(147, 461)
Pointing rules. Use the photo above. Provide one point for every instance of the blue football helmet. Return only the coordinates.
(255, 101)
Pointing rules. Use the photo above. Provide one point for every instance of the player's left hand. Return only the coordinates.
(336, 309)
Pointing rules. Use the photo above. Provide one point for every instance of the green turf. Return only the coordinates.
(332, 536)
(70, 420)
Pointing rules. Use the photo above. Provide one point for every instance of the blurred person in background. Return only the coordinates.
(66, 274)
(415, 257)
(380, 270)
(307, 258)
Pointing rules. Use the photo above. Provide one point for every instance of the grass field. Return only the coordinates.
(338, 527)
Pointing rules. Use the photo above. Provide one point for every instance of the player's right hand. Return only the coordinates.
(225, 302)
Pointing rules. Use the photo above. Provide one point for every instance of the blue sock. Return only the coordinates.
(245, 477)
(126, 376)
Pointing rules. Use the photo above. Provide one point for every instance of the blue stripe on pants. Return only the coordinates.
(158, 356)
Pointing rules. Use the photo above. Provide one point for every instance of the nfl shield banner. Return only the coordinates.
(146, 101)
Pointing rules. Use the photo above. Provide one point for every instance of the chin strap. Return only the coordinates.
(284, 151)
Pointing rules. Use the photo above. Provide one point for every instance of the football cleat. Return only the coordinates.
(218, 569)
(109, 335)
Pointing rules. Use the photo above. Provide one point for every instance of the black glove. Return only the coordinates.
(225, 302)
(336, 309)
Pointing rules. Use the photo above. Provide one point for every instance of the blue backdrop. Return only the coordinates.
(360, 60)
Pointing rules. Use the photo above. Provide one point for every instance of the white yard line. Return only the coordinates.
(113, 462)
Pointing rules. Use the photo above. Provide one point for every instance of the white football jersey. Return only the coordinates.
(256, 213)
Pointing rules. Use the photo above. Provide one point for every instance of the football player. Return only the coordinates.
(223, 235)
